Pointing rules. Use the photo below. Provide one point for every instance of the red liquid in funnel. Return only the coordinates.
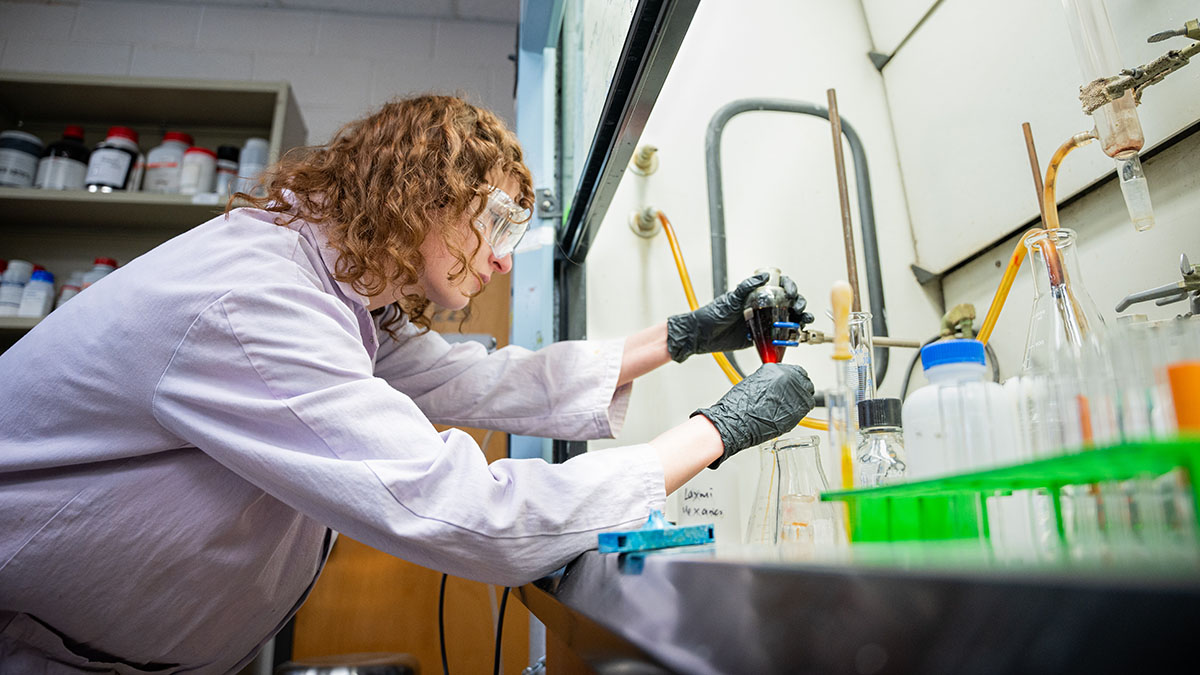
(762, 332)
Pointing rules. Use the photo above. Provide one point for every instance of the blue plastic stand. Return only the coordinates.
(655, 534)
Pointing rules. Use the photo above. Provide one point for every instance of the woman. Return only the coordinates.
(177, 442)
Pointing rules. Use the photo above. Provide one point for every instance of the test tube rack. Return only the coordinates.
(955, 506)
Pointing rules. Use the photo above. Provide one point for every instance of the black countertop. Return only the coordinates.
(704, 610)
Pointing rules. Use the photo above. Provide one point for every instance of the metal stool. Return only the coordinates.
(353, 664)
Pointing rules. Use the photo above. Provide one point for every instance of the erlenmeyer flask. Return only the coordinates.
(790, 481)
(803, 517)
(1064, 316)
(764, 515)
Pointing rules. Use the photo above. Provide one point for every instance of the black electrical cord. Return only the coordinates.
(995, 362)
(912, 364)
(500, 631)
(442, 624)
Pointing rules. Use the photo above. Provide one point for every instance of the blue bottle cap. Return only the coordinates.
(952, 351)
(42, 275)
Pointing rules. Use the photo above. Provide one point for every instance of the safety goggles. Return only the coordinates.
(502, 222)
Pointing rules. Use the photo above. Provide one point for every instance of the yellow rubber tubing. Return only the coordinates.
(686, 280)
(1050, 204)
(1006, 282)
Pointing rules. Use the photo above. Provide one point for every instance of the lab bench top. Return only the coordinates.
(874, 611)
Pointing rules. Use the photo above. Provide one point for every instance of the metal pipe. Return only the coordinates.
(839, 165)
(866, 207)
(1031, 150)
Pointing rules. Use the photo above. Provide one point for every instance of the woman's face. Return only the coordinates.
(436, 282)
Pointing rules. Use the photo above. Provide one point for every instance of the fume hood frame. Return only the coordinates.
(655, 35)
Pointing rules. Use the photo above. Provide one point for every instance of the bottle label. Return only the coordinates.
(17, 168)
(10, 295)
(108, 166)
(61, 173)
(162, 177)
(37, 299)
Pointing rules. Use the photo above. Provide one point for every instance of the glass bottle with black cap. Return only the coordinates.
(880, 458)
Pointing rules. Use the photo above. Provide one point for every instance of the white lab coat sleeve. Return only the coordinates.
(567, 390)
(276, 385)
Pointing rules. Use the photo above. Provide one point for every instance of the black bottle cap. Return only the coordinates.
(229, 152)
(879, 412)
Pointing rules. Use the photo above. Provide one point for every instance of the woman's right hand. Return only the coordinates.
(768, 403)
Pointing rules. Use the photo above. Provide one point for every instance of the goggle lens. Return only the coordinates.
(502, 222)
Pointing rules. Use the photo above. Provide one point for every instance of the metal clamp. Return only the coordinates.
(1179, 291)
(1105, 90)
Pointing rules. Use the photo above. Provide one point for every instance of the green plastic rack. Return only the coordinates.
(955, 507)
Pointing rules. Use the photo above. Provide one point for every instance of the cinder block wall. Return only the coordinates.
(341, 65)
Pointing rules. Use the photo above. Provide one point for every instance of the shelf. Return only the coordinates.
(64, 230)
(17, 324)
(55, 208)
(213, 111)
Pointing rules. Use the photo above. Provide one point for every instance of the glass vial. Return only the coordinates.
(880, 458)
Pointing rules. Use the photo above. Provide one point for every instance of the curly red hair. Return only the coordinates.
(386, 181)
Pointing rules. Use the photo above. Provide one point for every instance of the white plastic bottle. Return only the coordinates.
(164, 164)
(251, 163)
(19, 153)
(199, 171)
(38, 297)
(18, 270)
(961, 421)
(101, 267)
(12, 285)
(70, 289)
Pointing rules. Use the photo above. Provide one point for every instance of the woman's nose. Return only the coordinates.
(503, 265)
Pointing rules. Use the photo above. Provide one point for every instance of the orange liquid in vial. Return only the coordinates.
(1184, 377)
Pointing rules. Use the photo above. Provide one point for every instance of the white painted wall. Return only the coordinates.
(890, 21)
(961, 86)
(958, 90)
(1114, 259)
(782, 205)
(341, 65)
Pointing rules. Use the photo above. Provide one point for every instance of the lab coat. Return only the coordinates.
(177, 441)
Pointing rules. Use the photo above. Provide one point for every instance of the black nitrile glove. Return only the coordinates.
(796, 311)
(768, 403)
(720, 325)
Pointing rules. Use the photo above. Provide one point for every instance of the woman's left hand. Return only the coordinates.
(720, 325)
